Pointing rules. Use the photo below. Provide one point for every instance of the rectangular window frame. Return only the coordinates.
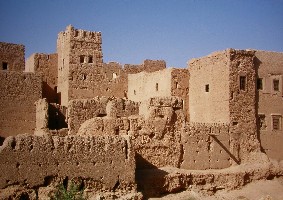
(276, 122)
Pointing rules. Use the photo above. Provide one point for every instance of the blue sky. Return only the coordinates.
(172, 30)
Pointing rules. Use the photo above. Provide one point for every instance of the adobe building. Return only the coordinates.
(132, 129)
(12, 57)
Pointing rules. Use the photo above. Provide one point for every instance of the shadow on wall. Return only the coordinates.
(146, 174)
(257, 63)
(1, 140)
(49, 93)
(57, 118)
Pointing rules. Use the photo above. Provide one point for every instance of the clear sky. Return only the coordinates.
(132, 30)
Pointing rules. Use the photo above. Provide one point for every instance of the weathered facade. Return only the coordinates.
(12, 57)
(102, 124)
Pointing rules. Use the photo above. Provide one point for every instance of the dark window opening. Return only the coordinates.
(76, 33)
(262, 122)
(242, 83)
(276, 85)
(135, 92)
(82, 59)
(276, 122)
(207, 88)
(84, 77)
(4, 65)
(90, 59)
(259, 84)
(156, 86)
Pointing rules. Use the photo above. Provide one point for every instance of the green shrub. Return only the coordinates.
(72, 193)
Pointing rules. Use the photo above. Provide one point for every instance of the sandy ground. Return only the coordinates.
(260, 190)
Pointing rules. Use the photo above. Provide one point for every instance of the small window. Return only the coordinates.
(177, 85)
(135, 92)
(90, 59)
(262, 122)
(82, 59)
(259, 84)
(207, 88)
(76, 33)
(83, 77)
(114, 75)
(276, 85)
(276, 122)
(242, 83)
(156, 86)
(4, 65)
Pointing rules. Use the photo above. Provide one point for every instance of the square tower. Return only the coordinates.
(77, 49)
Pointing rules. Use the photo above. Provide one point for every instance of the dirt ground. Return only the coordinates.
(260, 190)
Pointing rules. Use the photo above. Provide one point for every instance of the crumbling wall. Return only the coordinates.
(81, 110)
(156, 133)
(269, 68)
(209, 89)
(242, 103)
(12, 57)
(37, 162)
(47, 66)
(180, 87)
(147, 66)
(18, 93)
(206, 146)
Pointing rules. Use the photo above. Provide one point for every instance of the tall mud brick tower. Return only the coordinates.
(79, 54)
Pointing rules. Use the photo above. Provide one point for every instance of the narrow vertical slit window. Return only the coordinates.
(90, 59)
(156, 86)
(242, 82)
(207, 88)
(259, 84)
(4, 65)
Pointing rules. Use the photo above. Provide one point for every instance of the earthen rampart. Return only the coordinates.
(18, 93)
(85, 161)
(12, 57)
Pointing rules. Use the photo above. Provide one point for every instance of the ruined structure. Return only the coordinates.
(137, 130)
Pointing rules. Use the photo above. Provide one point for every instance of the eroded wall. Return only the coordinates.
(242, 103)
(44, 161)
(81, 110)
(18, 93)
(47, 66)
(269, 68)
(209, 89)
(12, 57)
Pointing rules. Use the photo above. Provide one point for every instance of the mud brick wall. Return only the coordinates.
(242, 103)
(209, 89)
(41, 161)
(206, 146)
(81, 110)
(18, 94)
(12, 57)
(269, 68)
(147, 66)
(156, 133)
(47, 66)
(180, 87)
